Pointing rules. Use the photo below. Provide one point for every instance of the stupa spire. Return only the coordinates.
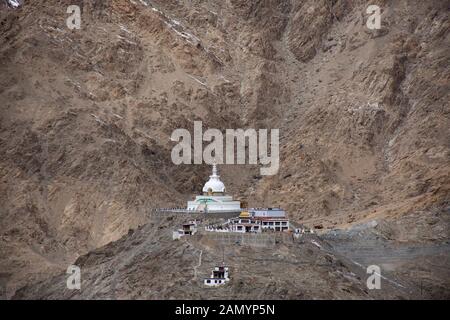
(214, 170)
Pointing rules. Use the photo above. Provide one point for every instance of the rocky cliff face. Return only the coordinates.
(87, 115)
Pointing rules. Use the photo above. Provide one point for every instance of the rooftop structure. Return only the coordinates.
(267, 212)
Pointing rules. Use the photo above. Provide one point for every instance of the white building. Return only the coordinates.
(219, 276)
(258, 220)
(187, 229)
(214, 199)
(244, 223)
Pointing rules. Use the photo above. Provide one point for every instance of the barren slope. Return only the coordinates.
(86, 116)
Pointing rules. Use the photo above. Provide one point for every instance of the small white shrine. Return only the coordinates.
(219, 276)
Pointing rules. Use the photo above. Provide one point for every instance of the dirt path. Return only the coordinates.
(199, 264)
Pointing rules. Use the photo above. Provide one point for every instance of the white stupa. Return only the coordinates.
(214, 199)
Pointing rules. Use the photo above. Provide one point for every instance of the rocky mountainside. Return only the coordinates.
(135, 267)
(87, 115)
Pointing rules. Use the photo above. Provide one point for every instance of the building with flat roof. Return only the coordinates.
(219, 276)
(187, 229)
(259, 220)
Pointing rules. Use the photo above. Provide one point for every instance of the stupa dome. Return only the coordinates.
(214, 185)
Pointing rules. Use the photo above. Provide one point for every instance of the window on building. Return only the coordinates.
(208, 281)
